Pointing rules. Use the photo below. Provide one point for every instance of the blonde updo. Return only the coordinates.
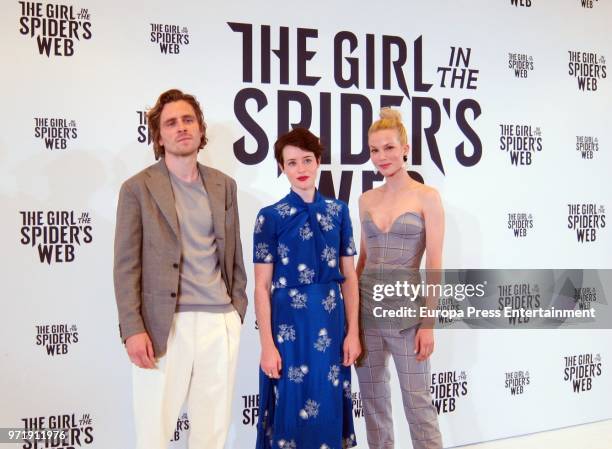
(390, 119)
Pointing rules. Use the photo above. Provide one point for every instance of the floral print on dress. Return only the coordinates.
(329, 256)
(281, 283)
(305, 232)
(329, 303)
(304, 242)
(306, 274)
(286, 332)
(285, 210)
(262, 252)
(326, 222)
(259, 222)
(347, 389)
(333, 208)
(323, 342)
(332, 376)
(284, 444)
(298, 300)
(350, 249)
(283, 252)
(296, 373)
(310, 410)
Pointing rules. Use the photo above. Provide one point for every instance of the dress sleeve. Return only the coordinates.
(264, 238)
(347, 243)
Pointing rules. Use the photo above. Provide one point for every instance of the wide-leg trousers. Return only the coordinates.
(199, 366)
(415, 381)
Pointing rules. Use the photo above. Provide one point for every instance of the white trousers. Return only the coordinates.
(200, 366)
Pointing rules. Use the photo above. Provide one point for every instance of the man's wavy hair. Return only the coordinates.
(154, 115)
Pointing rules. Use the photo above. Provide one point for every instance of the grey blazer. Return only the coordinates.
(148, 250)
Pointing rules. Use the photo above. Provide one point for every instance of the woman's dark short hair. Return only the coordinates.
(301, 138)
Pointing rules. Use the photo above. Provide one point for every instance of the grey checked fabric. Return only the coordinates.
(415, 380)
(400, 248)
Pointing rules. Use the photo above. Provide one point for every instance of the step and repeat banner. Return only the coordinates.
(508, 107)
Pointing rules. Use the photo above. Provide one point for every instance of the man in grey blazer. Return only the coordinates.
(180, 282)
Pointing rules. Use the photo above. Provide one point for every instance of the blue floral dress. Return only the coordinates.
(310, 406)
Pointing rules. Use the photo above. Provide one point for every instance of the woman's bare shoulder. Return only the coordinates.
(428, 192)
(429, 197)
(370, 195)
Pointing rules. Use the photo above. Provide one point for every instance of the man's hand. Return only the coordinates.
(140, 350)
(423, 343)
(351, 349)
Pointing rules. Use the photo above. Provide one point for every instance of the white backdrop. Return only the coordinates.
(107, 69)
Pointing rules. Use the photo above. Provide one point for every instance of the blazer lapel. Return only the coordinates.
(216, 196)
(160, 187)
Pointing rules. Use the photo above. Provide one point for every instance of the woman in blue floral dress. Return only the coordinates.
(306, 301)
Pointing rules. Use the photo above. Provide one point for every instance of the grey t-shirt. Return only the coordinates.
(201, 286)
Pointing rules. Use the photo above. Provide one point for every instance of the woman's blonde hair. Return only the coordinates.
(390, 119)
